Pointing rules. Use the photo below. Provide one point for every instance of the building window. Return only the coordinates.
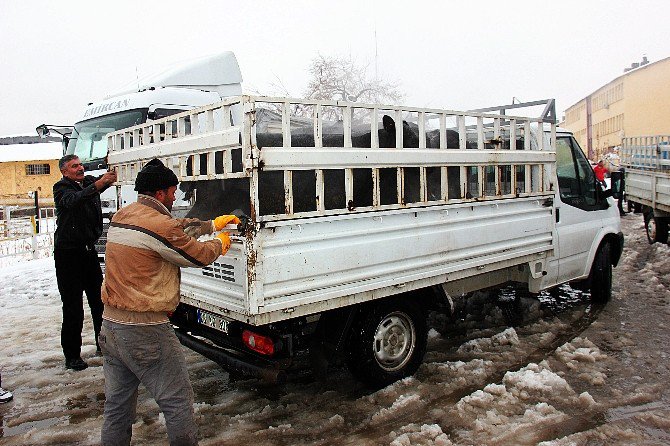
(38, 169)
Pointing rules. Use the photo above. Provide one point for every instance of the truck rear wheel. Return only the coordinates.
(388, 343)
(600, 278)
(656, 228)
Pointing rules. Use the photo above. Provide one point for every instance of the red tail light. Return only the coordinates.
(258, 343)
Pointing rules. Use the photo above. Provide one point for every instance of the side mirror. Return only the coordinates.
(42, 130)
(603, 193)
(616, 184)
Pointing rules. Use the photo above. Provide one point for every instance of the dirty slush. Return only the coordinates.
(510, 370)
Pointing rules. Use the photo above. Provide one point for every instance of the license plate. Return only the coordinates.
(212, 320)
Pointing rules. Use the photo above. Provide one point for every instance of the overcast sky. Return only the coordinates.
(57, 56)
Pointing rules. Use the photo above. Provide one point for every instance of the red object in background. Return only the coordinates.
(600, 171)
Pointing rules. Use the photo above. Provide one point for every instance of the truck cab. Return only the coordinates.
(588, 231)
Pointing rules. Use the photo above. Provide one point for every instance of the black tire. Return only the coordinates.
(655, 228)
(388, 342)
(650, 227)
(662, 230)
(600, 278)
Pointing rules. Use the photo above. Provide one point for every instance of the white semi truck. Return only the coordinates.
(185, 86)
(353, 230)
(647, 163)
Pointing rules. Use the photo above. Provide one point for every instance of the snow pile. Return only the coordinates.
(460, 372)
(505, 338)
(522, 405)
(405, 403)
(602, 435)
(425, 435)
(581, 353)
(535, 381)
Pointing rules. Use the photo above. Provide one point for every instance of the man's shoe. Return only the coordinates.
(75, 364)
(5, 396)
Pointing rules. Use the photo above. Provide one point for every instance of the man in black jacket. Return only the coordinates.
(78, 226)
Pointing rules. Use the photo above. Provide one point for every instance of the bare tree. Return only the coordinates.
(342, 79)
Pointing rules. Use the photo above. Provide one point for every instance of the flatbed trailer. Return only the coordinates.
(647, 171)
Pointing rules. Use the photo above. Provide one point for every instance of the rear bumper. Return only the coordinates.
(231, 362)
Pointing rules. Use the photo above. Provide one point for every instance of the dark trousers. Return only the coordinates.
(78, 271)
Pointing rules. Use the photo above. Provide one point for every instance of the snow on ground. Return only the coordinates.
(516, 371)
(47, 397)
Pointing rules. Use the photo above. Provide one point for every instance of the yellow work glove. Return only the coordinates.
(221, 221)
(225, 242)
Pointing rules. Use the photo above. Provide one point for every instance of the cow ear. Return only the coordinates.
(389, 123)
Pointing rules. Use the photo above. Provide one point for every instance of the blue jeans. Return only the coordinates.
(151, 355)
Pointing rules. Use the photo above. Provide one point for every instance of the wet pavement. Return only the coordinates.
(513, 369)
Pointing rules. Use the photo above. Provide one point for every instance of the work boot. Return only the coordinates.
(76, 364)
(5, 396)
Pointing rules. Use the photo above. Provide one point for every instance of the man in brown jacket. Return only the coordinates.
(146, 246)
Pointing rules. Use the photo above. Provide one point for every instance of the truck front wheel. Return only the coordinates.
(387, 343)
(600, 278)
(656, 228)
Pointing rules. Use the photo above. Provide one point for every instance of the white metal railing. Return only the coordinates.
(488, 155)
(27, 237)
(646, 152)
(178, 140)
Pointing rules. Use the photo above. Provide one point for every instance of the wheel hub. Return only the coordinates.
(394, 341)
(651, 229)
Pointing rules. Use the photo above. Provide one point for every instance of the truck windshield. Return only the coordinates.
(89, 140)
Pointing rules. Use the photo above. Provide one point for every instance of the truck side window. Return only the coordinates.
(576, 180)
(160, 113)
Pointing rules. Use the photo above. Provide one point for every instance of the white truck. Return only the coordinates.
(647, 164)
(355, 229)
(185, 86)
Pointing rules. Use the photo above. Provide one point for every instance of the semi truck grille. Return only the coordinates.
(102, 241)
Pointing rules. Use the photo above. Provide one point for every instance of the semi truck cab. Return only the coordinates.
(182, 87)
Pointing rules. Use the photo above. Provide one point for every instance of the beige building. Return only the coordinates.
(26, 168)
(634, 104)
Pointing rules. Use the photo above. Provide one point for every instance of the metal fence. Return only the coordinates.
(24, 236)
